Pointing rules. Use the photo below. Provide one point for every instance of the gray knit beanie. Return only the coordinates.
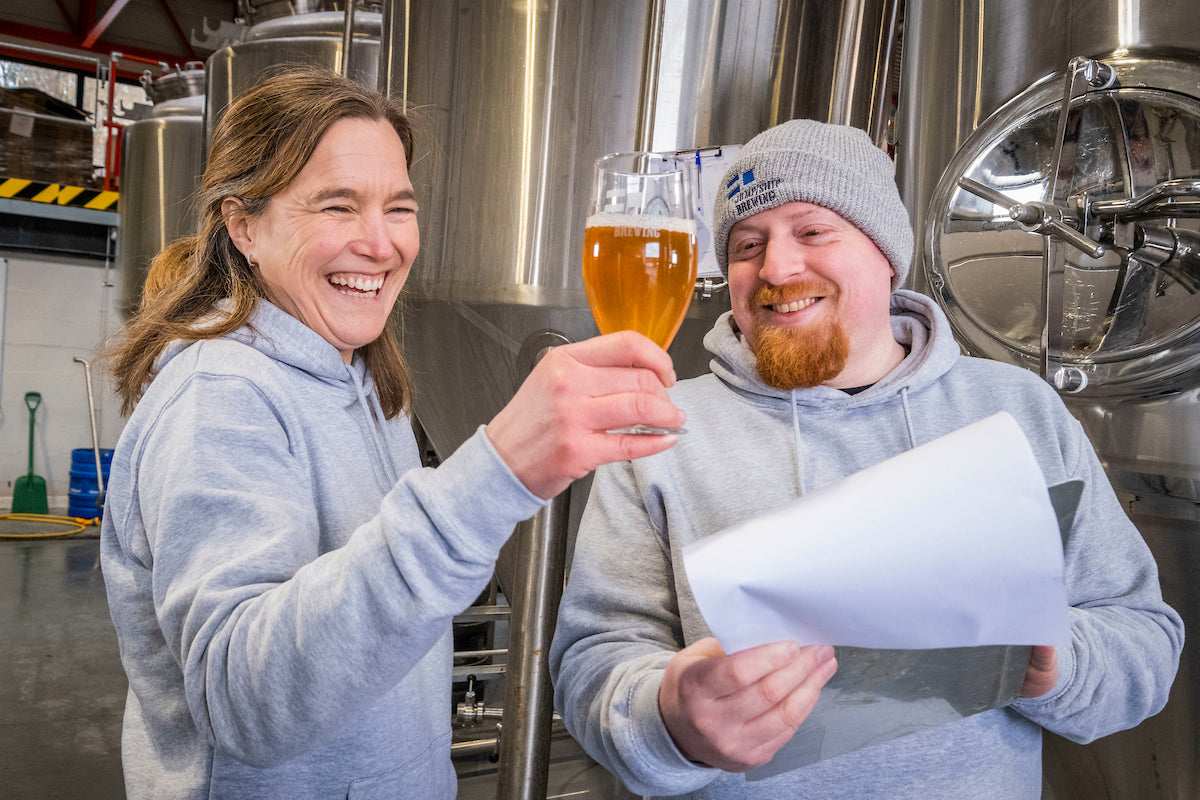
(835, 166)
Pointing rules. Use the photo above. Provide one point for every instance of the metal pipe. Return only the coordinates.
(528, 701)
(480, 671)
(484, 614)
(651, 58)
(87, 376)
(478, 653)
(348, 37)
(111, 149)
(474, 746)
(475, 713)
(83, 59)
(393, 65)
(3, 296)
(887, 77)
(1150, 200)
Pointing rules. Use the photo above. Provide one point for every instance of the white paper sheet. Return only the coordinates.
(708, 167)
(951, 544)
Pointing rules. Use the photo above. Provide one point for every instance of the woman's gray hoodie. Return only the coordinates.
(282, 575)
(750, 448)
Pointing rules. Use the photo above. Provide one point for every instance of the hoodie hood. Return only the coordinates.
(917, 322)
(288, 341)
(281, 337)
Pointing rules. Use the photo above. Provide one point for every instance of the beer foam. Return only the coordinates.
(639, 222)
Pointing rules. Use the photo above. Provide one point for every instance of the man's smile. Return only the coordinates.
(793, 305)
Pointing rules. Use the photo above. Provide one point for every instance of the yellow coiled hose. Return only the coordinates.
(74, 525)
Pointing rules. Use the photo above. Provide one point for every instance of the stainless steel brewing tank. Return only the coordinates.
(997, 114)
(313, 39)
(162, 160)
(513, 102)
(256, 11)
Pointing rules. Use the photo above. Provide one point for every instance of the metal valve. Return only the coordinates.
(470, 711)
(1174, 251)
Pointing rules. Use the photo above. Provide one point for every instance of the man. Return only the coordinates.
(822, 368)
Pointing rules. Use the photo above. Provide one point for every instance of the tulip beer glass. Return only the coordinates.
(639, 246)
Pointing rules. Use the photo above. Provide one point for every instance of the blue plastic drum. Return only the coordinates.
(85, 488)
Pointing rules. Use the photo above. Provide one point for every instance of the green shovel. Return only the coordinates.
(29, 495)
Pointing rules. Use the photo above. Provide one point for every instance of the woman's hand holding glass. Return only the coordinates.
(639, 249)
(554, 430)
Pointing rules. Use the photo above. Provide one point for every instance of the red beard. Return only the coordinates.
(798, 358)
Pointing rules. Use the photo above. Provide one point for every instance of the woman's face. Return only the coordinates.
(334, 248)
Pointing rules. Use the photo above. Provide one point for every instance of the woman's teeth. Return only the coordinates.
(359, 283)
(795, 305)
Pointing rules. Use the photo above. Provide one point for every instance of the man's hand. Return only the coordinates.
(1042, 673)
(734, 712)
(553, 430)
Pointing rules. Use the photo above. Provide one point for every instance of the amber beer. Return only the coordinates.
(639, 273)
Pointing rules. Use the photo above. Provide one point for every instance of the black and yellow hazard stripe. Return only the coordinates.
(58, 194)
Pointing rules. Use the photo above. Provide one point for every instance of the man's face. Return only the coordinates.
(811, 294)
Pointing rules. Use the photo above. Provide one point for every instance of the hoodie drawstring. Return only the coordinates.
(912, 437)
(908, 424)
(796, 445)
(374, 416)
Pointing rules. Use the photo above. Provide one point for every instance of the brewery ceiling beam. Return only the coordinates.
(183, 37)
(87, 11)
(62, 9)
(100, 27)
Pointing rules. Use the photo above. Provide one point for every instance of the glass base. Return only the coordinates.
(647, 430)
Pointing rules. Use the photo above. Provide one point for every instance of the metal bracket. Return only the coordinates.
(707, 287)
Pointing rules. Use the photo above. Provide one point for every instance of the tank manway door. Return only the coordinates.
(1065, 235)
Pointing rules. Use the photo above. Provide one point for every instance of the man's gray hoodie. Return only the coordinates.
(282, 575)
(750, 448)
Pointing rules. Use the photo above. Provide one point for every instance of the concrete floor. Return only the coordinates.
(62, 688)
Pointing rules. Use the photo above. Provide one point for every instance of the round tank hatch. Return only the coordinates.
(1125, 320)
(175, 84)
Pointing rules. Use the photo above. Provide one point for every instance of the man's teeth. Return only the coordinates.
(362, 284)
(795, 305)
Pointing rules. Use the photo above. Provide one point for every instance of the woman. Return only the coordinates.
(281, 575)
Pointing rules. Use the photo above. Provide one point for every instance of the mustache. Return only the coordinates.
(770, 294)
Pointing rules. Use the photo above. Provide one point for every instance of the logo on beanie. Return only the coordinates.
(747, 194)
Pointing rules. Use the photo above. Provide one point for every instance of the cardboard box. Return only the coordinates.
(43, 139)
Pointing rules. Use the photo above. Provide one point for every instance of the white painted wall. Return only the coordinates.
(54, 309)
